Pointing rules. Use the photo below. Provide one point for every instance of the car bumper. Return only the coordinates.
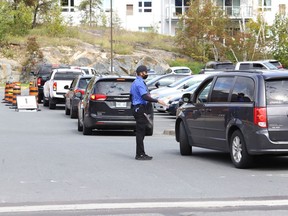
(260, 144)
(110, 122)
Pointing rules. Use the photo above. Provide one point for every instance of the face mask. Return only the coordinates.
(145, 76)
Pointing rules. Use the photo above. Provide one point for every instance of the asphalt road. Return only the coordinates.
(49, 168)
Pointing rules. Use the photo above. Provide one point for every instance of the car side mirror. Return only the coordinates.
(157, 84)
(187, 98)
(66, 87)
(185, 86)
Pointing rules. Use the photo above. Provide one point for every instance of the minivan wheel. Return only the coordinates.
(73, 113)
(86, 131)
(185, 148)
(238, 151)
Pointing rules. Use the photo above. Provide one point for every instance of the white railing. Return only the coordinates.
(173, 12)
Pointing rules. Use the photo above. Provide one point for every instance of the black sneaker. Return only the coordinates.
(143, 157)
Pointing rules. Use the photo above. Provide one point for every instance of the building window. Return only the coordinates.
(129, 9)
(67, 5)
(145, 6)
(180, 5)
(264, 5)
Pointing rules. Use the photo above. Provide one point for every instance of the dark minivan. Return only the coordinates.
(106, 105)
(243, 113)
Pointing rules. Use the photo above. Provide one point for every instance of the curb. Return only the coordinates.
(169, 132)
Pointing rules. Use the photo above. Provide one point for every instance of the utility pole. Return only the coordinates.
(111, 34)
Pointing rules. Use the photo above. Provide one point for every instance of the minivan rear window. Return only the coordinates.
(113, 87)
(277, 92)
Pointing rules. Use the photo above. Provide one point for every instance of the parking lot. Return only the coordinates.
(45, 160)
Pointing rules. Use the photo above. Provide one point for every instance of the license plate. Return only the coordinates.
(121, 104)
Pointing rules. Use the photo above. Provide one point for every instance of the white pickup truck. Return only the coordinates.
(255, 65)
(53, 89)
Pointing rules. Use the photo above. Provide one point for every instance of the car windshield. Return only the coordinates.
(178, 82)
(270, 66)
(153, 80)
(113, 87)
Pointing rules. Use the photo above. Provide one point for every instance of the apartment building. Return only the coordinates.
(163, 15)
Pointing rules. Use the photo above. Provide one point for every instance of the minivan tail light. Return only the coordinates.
(55, 86)
(101, 97)
(260, 117)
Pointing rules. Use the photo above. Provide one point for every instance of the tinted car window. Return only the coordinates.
(66, 75)
(221, 90)
(243, 90)
(111, 87)
(203, 95)
(277, 92)
(83, 82)
(182, 71)
(224, 66)
(244, 66)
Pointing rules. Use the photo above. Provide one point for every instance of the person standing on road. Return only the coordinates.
(140, 98)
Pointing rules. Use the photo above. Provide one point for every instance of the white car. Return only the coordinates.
(88, 70)
(179, 70)
(58, 85)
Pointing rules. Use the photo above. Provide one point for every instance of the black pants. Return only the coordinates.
(141, 124)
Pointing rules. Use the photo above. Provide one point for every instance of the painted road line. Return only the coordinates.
(144, 205)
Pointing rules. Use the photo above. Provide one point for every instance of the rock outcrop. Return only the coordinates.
(90, 55)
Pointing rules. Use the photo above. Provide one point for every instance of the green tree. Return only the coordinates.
(88, 9)
(54, 22)
(250, 42)
(39, 8)
(279, 39)
(202, 30)
(4, 19)
(22, 18)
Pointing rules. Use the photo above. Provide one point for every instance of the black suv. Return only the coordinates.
(217, 66)
(106, 105)
(42, 75)
(243, 113)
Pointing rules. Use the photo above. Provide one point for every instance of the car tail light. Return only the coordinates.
(79, 90)
(101, 97)
(260, 117)
(39, 81)
(55, 86)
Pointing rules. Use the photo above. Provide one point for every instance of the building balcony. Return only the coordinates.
(239, 12)
(234, 12)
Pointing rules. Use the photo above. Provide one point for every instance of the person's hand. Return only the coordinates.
(162, 103)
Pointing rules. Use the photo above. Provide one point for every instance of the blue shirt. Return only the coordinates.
(137, 90)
